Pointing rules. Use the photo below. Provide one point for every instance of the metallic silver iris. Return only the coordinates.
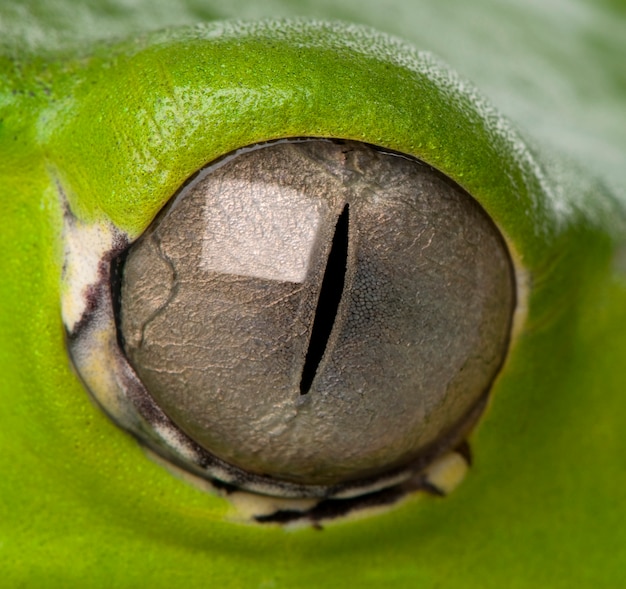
(318, 312)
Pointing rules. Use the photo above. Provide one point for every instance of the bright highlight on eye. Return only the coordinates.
(318, 312)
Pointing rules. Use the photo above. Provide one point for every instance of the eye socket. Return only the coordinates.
(318, 312)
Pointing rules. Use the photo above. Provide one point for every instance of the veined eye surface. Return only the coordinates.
(318, 312)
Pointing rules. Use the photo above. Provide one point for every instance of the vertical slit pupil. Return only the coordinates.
(328, 302)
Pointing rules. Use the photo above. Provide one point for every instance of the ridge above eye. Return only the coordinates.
(318, 312)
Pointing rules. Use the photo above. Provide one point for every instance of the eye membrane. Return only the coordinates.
(318, 312)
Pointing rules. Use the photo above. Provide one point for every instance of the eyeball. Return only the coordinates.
(305, 318)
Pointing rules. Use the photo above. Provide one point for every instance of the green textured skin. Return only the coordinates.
(119, 125)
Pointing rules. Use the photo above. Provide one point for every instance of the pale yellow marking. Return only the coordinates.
(447, 472)
(85, 245)
(244, 506)
(95, 363)
(249, 505)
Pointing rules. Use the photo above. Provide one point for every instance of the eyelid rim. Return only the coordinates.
(176, 101)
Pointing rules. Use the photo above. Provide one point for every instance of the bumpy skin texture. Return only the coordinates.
(116, 128)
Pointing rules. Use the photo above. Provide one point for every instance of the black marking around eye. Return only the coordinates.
(117, 272)
(94, 294)
(329, 509)
(332, 508)
(328, 302)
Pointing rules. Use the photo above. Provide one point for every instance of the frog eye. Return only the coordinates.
(306, 318)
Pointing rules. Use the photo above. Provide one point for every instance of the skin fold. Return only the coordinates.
(106, 109)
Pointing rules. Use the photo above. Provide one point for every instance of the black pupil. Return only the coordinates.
(328, 302)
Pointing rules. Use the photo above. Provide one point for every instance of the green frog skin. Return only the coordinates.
(105, 111)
